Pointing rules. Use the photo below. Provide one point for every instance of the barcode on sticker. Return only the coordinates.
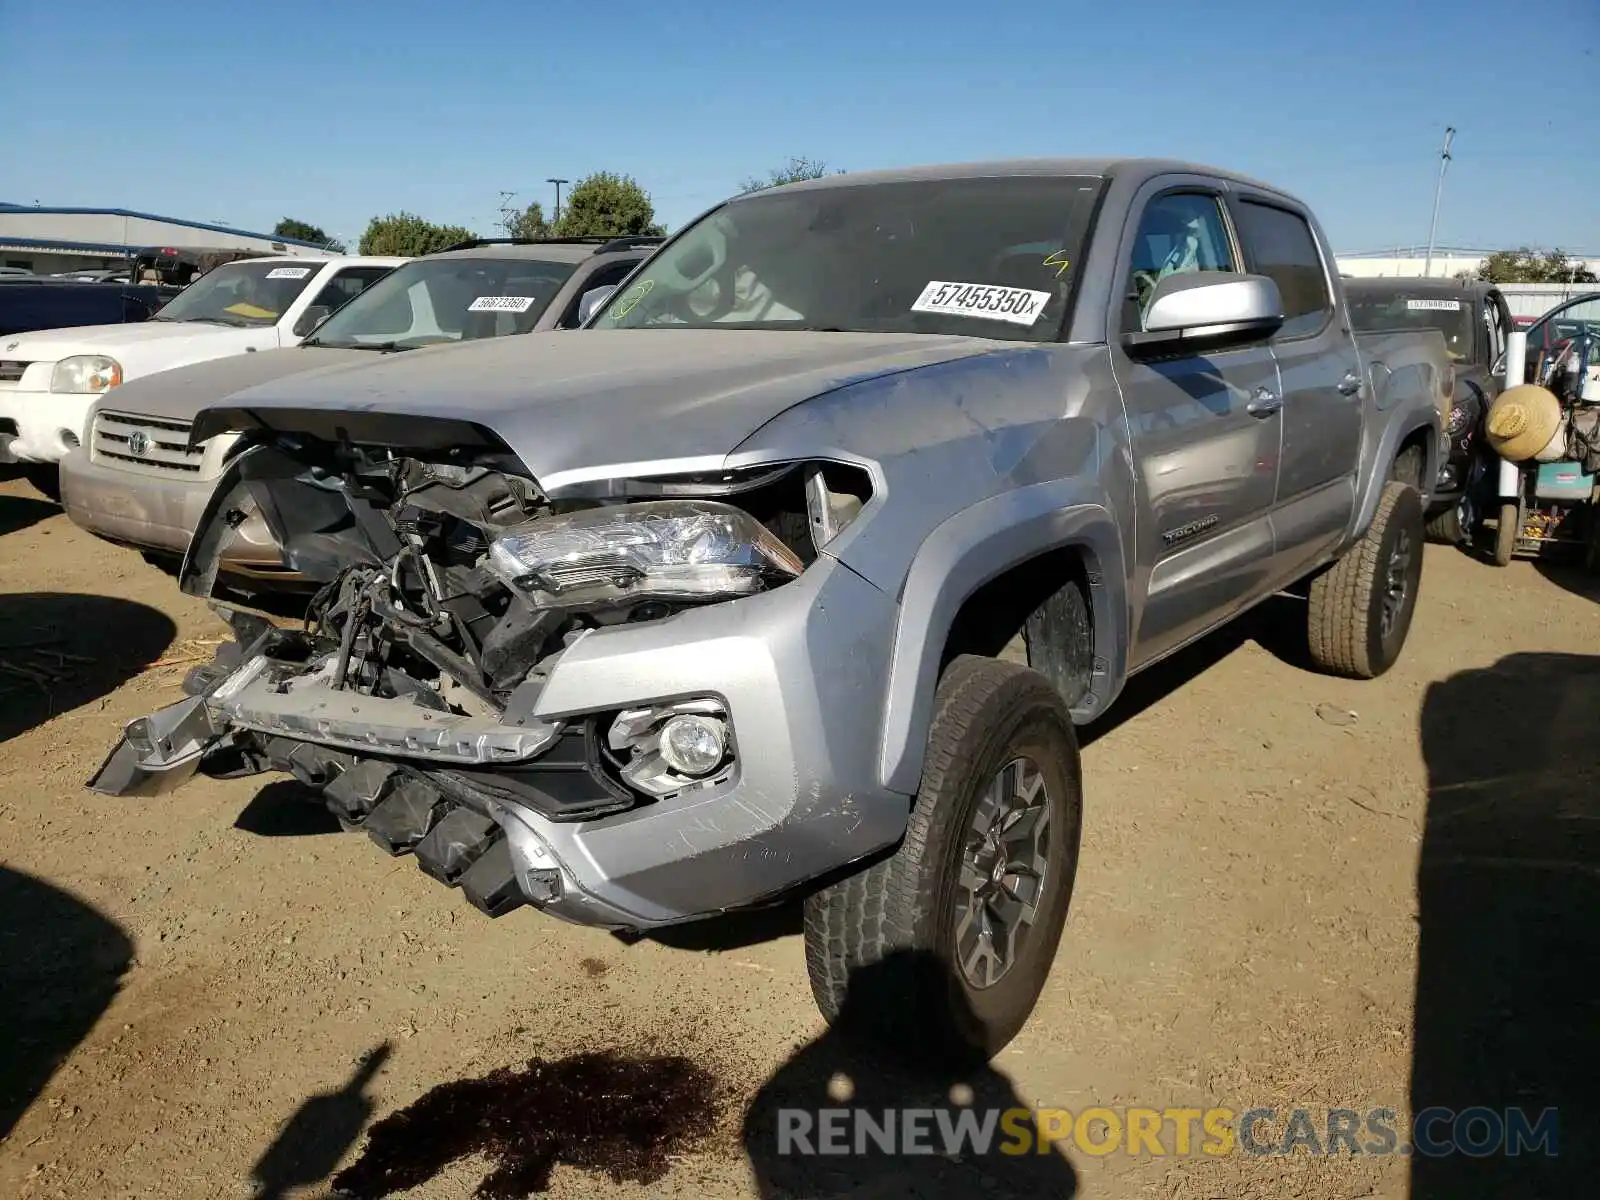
(1020, 306)
(516, 304)
(1435, 305)
(288, 272)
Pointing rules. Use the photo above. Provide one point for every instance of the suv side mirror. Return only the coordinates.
(311, 318)
(592, 300)
(1207, 310)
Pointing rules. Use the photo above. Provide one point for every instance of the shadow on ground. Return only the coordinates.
(59, 650)
(876, 1057)
(315, 1138)
(1571, 577)
(19, 512)
(1509, 895)
(61, 964)
(287, 808)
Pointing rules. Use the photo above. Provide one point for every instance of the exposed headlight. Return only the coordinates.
(661, 549)
(86, 373)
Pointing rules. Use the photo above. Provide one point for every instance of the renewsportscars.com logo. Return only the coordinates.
(952, 1132)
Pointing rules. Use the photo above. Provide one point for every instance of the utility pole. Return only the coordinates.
(556, 216)
(508, 212)
(1438, 191)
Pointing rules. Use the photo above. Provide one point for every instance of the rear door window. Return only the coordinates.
(1279, 244)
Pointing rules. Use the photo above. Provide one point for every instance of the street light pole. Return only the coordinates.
(556, 216)
(1438, 191)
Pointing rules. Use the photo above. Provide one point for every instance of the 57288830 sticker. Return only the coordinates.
(1019, 306)
(516, 304)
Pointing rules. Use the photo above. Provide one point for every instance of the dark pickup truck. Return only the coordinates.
(27, 305)
(1475, 320)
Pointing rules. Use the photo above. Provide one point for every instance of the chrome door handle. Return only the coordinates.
(1266, 403)
(1350, 384)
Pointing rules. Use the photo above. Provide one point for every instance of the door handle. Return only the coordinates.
(1266, 403)
(1350, 384)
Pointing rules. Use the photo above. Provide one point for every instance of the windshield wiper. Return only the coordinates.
(380, 347)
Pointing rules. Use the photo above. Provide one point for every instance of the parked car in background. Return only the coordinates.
(28, 305)
(51, 377)
(16, 273)
(138, 481)
(794, 571)
(1475, 319)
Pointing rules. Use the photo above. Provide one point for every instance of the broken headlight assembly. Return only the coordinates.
(683, 550)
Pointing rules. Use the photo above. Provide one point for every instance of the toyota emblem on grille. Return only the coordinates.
(138, 443)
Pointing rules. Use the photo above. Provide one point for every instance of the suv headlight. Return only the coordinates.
(656, 549)
(86, 373)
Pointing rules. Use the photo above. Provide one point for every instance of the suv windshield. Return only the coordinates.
(989, 257)
(251, 293)
(1387, 309)
(446, 300)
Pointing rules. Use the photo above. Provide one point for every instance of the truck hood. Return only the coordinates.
(140, 347)
(179, 394)
(586, 405)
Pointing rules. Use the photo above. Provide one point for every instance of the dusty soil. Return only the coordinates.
(217, 994)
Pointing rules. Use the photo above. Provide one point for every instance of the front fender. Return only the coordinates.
(965, 552)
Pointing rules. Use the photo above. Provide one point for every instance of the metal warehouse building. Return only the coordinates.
(48, 240)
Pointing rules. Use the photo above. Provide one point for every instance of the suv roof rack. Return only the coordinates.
(607, 245)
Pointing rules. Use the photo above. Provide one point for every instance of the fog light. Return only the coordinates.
(692, 744)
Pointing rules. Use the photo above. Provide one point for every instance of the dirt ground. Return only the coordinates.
(217, 994)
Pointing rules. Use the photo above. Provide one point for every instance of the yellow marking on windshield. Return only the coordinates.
(1057, 258)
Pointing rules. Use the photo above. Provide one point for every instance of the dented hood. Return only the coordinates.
(592, 404)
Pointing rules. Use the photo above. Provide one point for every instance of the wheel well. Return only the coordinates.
(996, 613)
(1411, 467)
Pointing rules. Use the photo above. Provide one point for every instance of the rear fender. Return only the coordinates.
(1403, 421)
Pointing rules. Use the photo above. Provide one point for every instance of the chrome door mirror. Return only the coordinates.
(592, 300)
(1207, 310)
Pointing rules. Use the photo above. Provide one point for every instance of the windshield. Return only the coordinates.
(989, 257)
(1390, 310)
(446, 300)
(251, 293)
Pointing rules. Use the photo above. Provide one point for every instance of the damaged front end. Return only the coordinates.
(451, 587)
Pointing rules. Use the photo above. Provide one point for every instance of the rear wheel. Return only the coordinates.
(45, 478)
(1446, 527)
(1360, 609)
(1505, 534)
(945, 946)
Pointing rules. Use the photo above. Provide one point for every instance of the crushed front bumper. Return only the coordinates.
(800, 670)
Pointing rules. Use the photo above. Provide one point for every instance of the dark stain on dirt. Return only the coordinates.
(614, 1115)
(594, 967)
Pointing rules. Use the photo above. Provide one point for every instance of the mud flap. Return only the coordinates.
(158, 753)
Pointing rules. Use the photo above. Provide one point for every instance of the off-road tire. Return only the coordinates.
(1445, 529)
(880, 944)
(1505, 534)
(45, 478)
(1345, 613)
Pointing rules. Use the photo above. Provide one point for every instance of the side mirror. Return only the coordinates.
(311, 318)
(1207, 310)
(592, 300)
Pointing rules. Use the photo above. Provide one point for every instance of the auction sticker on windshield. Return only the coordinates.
(516, 304)
(1435, 305)
(288, 272)
(1020, 306)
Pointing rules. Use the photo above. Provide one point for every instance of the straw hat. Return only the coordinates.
(1522, 422)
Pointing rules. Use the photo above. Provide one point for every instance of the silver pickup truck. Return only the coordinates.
(793, 572)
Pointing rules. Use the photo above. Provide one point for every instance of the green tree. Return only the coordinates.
(409, 235)
(293, 227)
(529, 223)
(798, 168)
(606, 204)
(1523, 265)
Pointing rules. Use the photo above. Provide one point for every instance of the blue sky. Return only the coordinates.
(333, 111)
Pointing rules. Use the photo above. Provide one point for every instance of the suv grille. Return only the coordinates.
(150, 445)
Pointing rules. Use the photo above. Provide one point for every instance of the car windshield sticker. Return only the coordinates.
(288, 272)
(1435, 305)
(1058, 259)
(1020, 306)
(516, 304)
(635, 294)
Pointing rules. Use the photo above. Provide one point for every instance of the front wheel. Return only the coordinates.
(945, 946)
(1505, 534)
(1447, 528)
(1360, 609)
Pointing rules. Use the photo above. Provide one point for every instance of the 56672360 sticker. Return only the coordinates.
(986, 301)
(516, 304)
